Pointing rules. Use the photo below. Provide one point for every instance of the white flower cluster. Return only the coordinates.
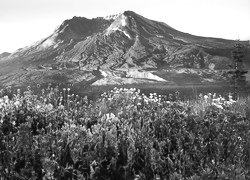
(7, 104)
(134, 97)
(217, 100)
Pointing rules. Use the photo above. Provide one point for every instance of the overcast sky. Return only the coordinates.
(23, 22)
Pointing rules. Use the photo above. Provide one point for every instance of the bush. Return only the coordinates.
(123, 135)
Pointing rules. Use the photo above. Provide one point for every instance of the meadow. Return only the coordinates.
(122, 134)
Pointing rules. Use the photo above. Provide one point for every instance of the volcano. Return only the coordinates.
(118, 49)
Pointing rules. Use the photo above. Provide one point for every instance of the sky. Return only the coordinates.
(23, 22)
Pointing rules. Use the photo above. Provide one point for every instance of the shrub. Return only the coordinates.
(123, 135)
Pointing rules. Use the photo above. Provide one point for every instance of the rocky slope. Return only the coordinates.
(4, 55)
(123, 41)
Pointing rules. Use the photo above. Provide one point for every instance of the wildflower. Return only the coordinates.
(217, 105)
(230, 97)
(137, 177)
(206, 98)
(61, 107)
(49, 107)
(38, 107)
(232, 101)
(6, 99)
(132, 89)
(112, 115)
(17, 103)
(18, 91)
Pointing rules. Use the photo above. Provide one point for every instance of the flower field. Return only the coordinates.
(124, 135)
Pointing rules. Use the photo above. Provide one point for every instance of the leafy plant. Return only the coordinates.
(123, 135)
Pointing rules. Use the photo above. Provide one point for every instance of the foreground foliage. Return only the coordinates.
(122, 135)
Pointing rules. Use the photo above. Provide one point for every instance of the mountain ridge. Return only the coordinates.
(123, 41)
(4, 55)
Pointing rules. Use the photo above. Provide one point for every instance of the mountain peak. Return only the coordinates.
(130, 13)
(112, 17)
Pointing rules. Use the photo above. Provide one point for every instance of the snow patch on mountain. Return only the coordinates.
(124, 20)
(104, 74)
(132, 76)
(124, 32)
(120, 81)
(111, 17)
(118, 25)
(127, 34)
(159, 36)
(143, 75)
(180, 39)
(51, 41)
(47, 43)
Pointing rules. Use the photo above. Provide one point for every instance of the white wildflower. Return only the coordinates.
(112, 115)
(49, 107)
(205, 97)
(17, 103)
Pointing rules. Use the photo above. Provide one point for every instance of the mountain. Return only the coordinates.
(106, 49)
(4, 55)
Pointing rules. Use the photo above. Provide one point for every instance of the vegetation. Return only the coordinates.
(122, 135)
(237, 74)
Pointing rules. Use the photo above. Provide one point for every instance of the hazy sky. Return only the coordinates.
(23, 22)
